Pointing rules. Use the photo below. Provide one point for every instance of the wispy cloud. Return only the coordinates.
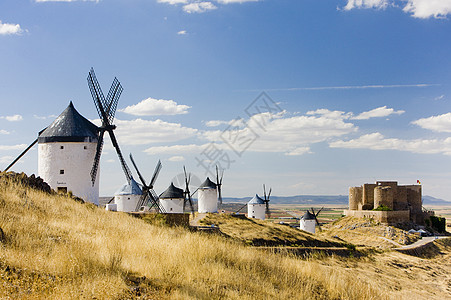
(378, 113)
(2, 131)
(176, 158)
(156, 107)
(13, 147)
(376, 141)
(182, 32)
(14, 118)
(350, 87)
(441, 97)
(201, 6)
(10, 29)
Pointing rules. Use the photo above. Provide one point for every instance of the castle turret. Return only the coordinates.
(66, 151)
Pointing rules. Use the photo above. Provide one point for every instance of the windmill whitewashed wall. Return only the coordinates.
(207, 197)
(172, 200)
(127, 197)
(307, 222)
(66, 151)
(256, 208)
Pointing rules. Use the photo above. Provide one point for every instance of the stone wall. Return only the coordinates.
(386, 217)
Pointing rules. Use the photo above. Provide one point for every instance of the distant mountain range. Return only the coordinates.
(340, 199)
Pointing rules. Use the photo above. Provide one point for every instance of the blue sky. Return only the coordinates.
(359, 89)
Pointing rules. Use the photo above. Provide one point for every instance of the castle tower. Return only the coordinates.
(66, 151)
(207, 197)
(172, 200)
(256, 208)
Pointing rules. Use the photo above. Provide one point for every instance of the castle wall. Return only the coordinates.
(355, 197)
(400, 201)
(386, 217)
(383, 195)
(368, 197)
(67, 166)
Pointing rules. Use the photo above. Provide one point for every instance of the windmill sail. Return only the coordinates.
(106, 109)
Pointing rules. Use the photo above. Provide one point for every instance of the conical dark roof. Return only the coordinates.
(256, 200)
(172, 192)
(308, 216)
(208, 184)
(70, 126)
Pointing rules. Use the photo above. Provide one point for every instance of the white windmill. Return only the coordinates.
(66, 150)
(209, 193)
(172, 200)
(309, 221)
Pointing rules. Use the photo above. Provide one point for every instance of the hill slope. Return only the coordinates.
(56, 248)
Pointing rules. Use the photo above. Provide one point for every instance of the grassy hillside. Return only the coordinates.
(264, 233)
(56, 248)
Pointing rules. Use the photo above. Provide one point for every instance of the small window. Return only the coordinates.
(61, 147)
(85, 147)
(61, 172)
(128, 198)
(62, 189)
(170, 209)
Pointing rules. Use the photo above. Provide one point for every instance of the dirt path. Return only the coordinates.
(423, 241)
(195, 221)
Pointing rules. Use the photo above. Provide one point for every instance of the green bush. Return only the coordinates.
(382, 208)
(438, 223)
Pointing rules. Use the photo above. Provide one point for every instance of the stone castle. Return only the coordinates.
(399, 203)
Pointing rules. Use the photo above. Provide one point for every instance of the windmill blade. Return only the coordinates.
(95, 165)
(125, 168)
(97, 95)
(112, 99)
(241, 208)
(319, 211)
(264, 191)
(21, 154)
(142, 200)
(316, 219)
(137, 171)
(268, 212)
(219, 184)
(155, 174)
(269, 194)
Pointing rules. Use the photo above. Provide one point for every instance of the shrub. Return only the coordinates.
(382, 208)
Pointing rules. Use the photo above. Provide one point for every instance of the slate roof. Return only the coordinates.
(129, 189)
(69, 126)
(208, 184)
(172, 192)
(256, 200)
(308, 216)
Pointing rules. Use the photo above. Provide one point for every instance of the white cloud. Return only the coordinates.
(376, 141)
(156, 107)
(198, 7)
(235, 1)
(441, 97)
(2, 131)
(424, 9)
(182, 32)
(215, 123)
(13, 147)
(289, 135)
(177, 149)
(66, 0)
(6, 159)
(45, 117)
(173, 2)
(350, 87)
(378, 113)
(142, 132)
(10, 29)
(378, 4)
(13, 118)
(176, 158)
(440, 123)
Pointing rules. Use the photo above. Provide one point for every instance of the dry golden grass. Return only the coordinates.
(56, 248)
